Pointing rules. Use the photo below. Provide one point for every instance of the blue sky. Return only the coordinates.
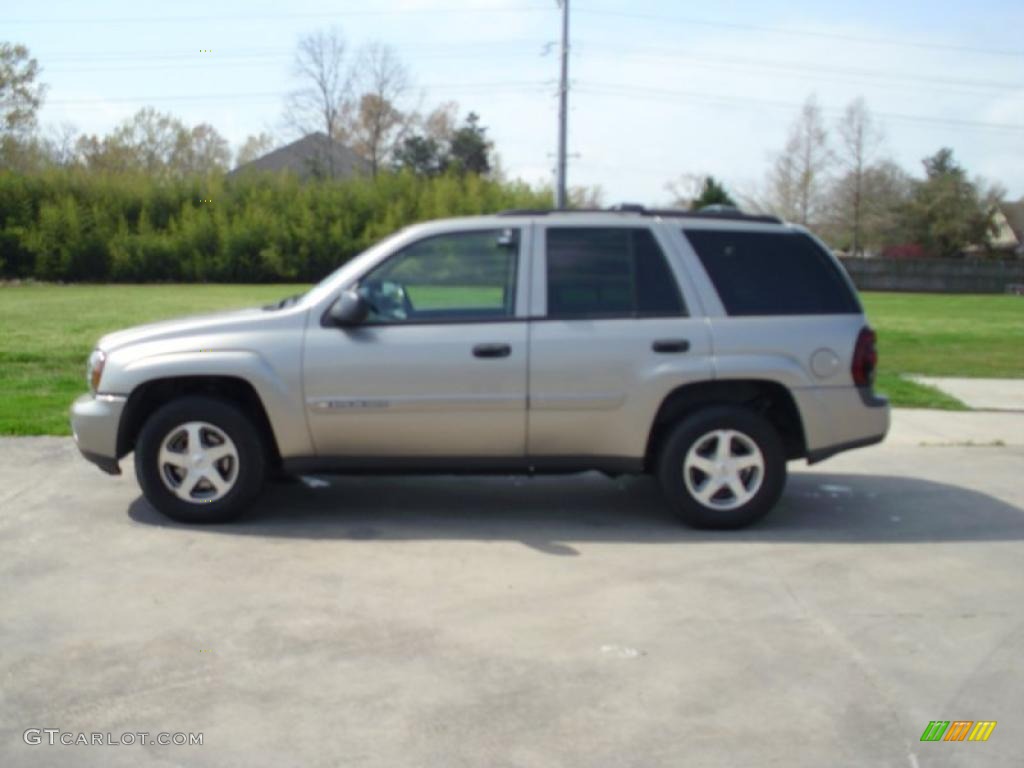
(660, 89)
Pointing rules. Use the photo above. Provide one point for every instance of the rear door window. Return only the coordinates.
(772, 273)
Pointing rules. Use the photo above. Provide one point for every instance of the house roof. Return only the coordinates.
(1014, 213)
(313, 154)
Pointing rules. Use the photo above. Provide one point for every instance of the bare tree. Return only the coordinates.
(254, 147)
(375, 123)
(799, 176)
(441, 124)
(860, 139)
(583, 197)
(60, 143)
(321, 65)
(884, 190)
(684, 189)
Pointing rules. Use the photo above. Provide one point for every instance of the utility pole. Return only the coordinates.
(561, 198)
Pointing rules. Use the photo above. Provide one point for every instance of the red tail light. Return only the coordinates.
(865, 359)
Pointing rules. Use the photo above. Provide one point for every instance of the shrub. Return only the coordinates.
(73, 225)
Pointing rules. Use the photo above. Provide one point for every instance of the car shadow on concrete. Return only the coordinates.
(549, 513)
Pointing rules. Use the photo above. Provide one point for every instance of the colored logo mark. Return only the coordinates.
(958, 730)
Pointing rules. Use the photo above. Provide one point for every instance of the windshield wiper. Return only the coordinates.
(285, 302)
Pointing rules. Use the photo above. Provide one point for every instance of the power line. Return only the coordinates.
(267, 52)
(249, 17)
(524, 48)
(661, 19)
(211, 64)
(526, 85)
(809, 68)
(648, 93)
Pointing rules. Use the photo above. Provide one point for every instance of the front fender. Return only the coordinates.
(279, 393)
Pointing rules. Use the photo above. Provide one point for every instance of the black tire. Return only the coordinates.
(248, 475)
(696, 429)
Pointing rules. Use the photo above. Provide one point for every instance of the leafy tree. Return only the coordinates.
(20, 95)
(693, 191)
(200, 150)
(422, 155)
(20, 99)
(947, 212)
(444, 148)
(147, 141)
(158, 144)
(470, 148)
(712, 193)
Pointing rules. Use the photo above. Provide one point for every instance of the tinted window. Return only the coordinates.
(610, 272)
(462, 276)
(772, 273)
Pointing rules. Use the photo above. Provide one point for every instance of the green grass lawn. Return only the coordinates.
(47, 331)
(466, 296)
(944, 335)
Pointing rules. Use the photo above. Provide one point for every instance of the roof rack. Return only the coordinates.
(639, 210)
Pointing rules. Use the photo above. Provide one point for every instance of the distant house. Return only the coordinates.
(1009, 222)
(312, 156)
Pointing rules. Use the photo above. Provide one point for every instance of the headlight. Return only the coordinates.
(94, 371)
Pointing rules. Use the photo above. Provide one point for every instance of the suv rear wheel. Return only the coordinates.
(724, 467)
(199, 460)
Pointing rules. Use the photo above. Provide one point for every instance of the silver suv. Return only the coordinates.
(706, 349)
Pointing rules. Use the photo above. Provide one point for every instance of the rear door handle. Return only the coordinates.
(492, 350)
(671, 346)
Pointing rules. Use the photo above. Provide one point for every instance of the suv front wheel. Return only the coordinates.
(199, 460)
(724, 467)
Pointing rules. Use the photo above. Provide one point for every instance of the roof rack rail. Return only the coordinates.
(729, 215)
(723, 214)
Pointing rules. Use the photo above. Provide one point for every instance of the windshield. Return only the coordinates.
(345, 273)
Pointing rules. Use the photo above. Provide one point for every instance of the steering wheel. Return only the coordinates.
(387, 299)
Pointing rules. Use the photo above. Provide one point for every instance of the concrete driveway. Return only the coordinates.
(507, 622)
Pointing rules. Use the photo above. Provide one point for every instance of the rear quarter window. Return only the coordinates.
(773, 273)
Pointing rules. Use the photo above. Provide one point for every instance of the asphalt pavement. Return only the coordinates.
(556, 621)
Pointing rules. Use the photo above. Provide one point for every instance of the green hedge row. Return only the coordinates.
(76, 226)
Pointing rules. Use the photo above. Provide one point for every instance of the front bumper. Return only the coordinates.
(94, 423)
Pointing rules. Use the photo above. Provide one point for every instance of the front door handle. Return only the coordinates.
(671, 346)
(492, 350)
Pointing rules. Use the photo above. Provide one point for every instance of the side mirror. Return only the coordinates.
(350, 309)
